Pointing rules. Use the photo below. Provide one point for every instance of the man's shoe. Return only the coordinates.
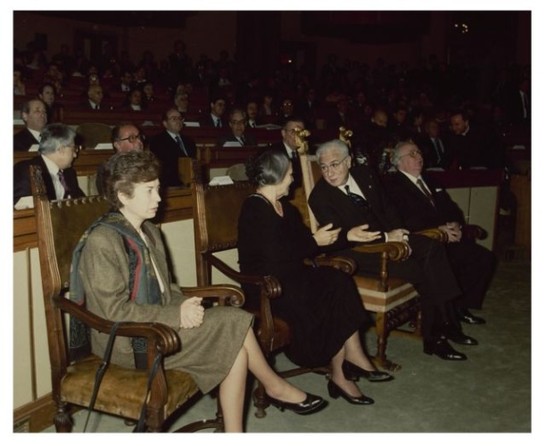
(461, 338)
(443, 350)
(466, 316)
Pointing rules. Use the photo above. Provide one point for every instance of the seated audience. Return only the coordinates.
(170, 145)
(472, 146)
(57, 152)
(215, 118)
(436, 152)
(422, 206)
(133, 100)
(47, 94)
(252, 114)
(34, 114)
(219, 343)
(95, 97)
(321, 304)
(19, 88)
(237, 135)
(353, 200)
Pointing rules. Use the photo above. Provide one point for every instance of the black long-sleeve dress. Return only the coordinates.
(321, 304)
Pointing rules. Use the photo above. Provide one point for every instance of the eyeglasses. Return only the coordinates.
(294, 130)
(132, 138)
(413, 153)
(240, 121)
(176, 118)
(334, 165)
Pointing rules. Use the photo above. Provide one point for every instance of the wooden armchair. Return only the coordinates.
(216, 215)
(394, 301)
(122, 392)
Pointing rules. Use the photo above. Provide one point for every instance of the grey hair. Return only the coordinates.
(335, 144)
(54, 136)
(395, 155)
(267, 168)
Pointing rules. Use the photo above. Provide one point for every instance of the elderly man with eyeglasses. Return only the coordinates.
(125, 138)
(353, 199)
(57, 152)
(423, 205)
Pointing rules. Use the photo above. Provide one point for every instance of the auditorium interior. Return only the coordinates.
(421, 63)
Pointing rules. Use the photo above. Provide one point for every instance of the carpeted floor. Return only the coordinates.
(489, 393)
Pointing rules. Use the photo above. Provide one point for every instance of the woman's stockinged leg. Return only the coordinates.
(338, 377)
(355, 353)
(275, 386)
(232, 393)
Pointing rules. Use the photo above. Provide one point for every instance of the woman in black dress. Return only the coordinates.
(321, 304)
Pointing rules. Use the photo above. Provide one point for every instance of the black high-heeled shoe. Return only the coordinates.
(311, 404)
(335, 392)
(352, 372)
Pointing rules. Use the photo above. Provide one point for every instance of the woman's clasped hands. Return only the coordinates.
(191, 313)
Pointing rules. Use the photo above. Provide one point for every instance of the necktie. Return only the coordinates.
(181, 145)
(438, 148)
(242, 140)
(218, 123)
(425, 191)
(60, 174)
(525, 105)
(356, 199)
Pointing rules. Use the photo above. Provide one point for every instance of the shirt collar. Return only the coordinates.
(52, 168)
(35, 133)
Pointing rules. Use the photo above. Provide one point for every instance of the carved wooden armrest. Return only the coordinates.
(344, 264)
(222, 294)
(164, 339)
(394, 251)
(434, 233)
(270, 288)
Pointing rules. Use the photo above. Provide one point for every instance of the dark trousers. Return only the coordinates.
(429, 270)
(473, 266)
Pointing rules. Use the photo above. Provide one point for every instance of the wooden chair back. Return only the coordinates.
(122, 392)
(93, 133)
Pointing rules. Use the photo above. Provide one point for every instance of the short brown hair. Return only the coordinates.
(126, 169)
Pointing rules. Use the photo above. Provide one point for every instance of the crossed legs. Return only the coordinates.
(232, 388)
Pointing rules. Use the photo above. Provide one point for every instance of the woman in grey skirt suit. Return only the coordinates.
(120, 267)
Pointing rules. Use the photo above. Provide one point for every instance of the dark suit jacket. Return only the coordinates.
(296, 167)
(476, 148)
(414, 207)
(429, 152)
(21, 180)
(472, 264)
(427, 268)
(331, 205)
(207, 121)
(249, 140)
(168, 152)
(23, 140)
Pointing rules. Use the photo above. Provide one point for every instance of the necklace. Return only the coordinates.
(277, 205)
